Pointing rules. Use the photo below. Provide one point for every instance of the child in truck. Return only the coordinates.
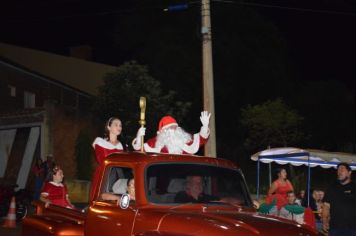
(54, 190)
(130, 190)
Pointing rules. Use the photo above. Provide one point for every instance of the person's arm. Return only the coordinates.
(109, 196)
(325, 216)
(205, 118)
(69, 202)
(272, 189)
(136, 143)
(67, 197)
(44, 194)
(43, 198)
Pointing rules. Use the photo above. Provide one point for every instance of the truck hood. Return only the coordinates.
(207, 220)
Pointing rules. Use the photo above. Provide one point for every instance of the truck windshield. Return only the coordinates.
(195, 183)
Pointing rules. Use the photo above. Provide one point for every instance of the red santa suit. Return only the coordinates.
(191, 147)
(102, 148)
(57, 193)
(180, 143)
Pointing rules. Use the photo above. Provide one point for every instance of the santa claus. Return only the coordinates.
(173, 139)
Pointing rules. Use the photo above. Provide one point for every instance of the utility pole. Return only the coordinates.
(208, 78)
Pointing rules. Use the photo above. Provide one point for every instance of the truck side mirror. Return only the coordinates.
(124, 201)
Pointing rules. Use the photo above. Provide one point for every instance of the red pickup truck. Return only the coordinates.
(226, 209)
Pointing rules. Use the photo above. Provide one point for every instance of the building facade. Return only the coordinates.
(42, 115)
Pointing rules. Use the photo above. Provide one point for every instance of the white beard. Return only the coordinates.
(173, 139)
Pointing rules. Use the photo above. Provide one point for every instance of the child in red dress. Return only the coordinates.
(54, 191)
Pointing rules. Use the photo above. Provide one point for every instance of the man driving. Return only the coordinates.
(193, 192)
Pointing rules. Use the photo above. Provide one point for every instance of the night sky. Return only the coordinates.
(319, 34)
(321, 43)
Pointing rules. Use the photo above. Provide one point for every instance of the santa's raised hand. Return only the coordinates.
(205, 118)
(136, 143)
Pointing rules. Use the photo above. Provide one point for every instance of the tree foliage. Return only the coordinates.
(272, 123)
(83, 151)
(249, 57)
(120, 94)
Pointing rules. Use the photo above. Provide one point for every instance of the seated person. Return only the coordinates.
(292, 210)
(54, 191)
(130, 189)
(194, 192)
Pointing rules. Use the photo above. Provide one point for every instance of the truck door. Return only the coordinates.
(105, 217)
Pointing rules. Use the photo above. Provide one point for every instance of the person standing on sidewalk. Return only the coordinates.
(38, 172)
(339, 207)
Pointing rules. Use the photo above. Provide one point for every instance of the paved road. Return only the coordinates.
(13, 231)
(17, 231)
(10, 231)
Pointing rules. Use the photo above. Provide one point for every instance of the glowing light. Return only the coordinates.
(224, 227)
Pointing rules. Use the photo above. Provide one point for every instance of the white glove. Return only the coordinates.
(136, 143)
(204, 118)
(141, 132)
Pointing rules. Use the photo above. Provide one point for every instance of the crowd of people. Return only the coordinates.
(331, 211)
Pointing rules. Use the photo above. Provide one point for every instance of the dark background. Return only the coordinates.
(300, 51)
(319, 34)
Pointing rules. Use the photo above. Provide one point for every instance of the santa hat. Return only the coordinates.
(166, 122)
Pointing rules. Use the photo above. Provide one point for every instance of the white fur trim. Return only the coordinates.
(136, 145)
(194, 147)
(107, 145)
(56, 184)
(168, 125)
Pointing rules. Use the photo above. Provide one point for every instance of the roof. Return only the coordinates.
(148, 158)
(80, 74)
(22, 116)
(298, 156)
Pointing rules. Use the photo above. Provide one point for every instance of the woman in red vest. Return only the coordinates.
(279, 189)
(106, 146)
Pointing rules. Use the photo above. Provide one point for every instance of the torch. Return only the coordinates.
(142, 120)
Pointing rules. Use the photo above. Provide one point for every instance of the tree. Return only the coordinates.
(83, 151)
(119, 97)
(272, 123)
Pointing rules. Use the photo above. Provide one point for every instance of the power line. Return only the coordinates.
(107, 13)
(103, 13)
(287, 8)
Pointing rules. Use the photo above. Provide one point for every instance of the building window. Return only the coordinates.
(12, 90)
(29, 100)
